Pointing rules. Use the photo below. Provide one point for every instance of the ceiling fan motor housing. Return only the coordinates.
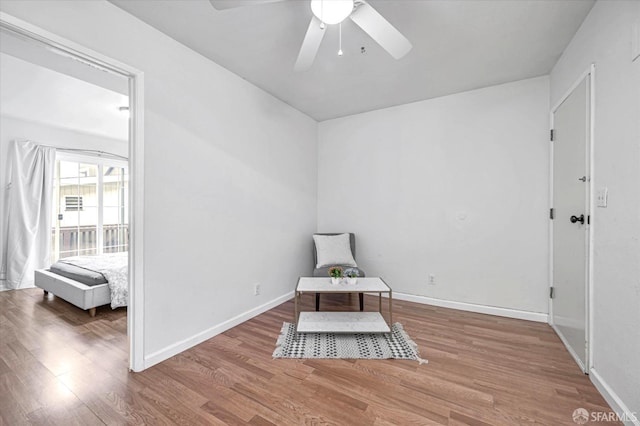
(332, 11)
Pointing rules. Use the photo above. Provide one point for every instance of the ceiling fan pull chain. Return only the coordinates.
(322, 14)
(340, 38)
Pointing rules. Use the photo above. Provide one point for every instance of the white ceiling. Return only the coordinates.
(35, 93)
(458, 45)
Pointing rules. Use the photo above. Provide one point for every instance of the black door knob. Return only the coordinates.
(575, 219)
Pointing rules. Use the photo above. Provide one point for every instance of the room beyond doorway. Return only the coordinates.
(58, 49)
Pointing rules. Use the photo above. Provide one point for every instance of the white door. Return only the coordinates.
(570, 220)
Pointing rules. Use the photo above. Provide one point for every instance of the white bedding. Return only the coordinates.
(114, 267)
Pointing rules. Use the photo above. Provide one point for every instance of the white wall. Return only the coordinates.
(605, 39)
(14, 128)
(455, 186)
(230, 177)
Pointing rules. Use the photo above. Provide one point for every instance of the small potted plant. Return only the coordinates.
(352, 275)
(335, 272)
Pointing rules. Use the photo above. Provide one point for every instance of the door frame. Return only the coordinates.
(65, 47)
(589, 212)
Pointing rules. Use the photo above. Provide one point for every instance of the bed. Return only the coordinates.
(88, 281)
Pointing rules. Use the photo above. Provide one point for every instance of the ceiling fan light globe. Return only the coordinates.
(332, 11)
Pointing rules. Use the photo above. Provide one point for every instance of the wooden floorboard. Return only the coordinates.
(58, 366)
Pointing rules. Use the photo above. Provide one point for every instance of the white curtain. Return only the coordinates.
(27, 245)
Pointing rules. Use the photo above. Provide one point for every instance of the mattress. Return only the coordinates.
(77, 273)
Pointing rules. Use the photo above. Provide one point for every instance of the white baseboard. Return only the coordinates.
(183, 345)
(569, 348)
(471, 307)
(628, 417)
(176, 348)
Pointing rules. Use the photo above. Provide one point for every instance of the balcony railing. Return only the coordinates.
(83, 240)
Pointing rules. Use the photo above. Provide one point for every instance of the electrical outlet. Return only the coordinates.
(432, 279)
(256, 289)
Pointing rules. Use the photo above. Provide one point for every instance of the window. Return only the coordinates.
(73, 203)
(91, 206)
(115, 209)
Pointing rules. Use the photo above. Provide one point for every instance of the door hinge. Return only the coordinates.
(551, 214)
(589, 219)
(552, 292)
(551, 135)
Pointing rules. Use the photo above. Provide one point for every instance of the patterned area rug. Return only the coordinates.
(361, 346)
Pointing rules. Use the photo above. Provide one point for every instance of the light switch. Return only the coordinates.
(601, 197)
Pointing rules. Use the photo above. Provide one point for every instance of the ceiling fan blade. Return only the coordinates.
(381, 30)
(310, 45)
(228, 4)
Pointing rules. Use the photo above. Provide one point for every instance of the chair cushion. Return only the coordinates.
(333, 250)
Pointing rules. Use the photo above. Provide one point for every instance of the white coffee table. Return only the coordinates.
(343, 322)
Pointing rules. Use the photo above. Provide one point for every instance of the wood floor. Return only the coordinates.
(59, 366)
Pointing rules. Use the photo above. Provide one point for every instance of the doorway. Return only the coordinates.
(571, 189)
(59, 47)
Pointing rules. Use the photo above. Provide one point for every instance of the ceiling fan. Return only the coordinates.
(331, 12)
